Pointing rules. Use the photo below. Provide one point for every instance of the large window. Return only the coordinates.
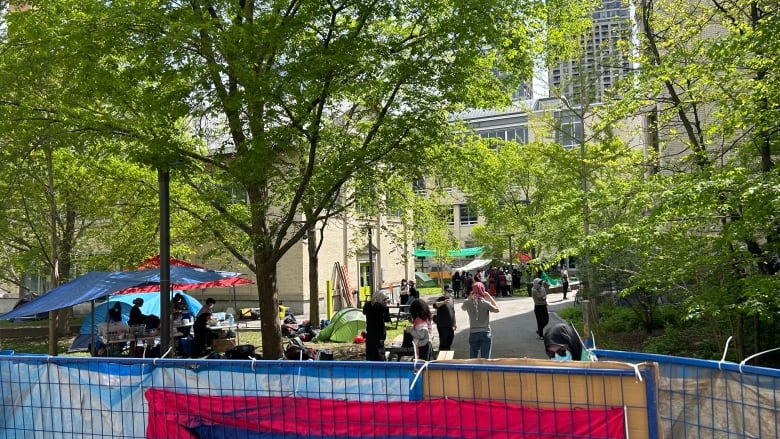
(518, 134)
(467, 216)
(570, 134)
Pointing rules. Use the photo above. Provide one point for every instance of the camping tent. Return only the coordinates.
(98, 284)
(100, 314)
(345, 325)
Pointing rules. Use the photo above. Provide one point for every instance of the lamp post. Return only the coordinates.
(370, 277)
(163, 180)
(585, 205)
(511, 266)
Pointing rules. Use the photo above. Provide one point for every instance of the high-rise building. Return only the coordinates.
(584, 79)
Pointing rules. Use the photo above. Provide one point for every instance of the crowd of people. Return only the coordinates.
(478, 292)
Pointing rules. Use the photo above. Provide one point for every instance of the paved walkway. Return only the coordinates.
(513, 328)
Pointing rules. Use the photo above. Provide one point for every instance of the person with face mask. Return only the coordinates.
(562, 343)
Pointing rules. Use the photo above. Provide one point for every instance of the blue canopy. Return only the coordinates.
(97, 284)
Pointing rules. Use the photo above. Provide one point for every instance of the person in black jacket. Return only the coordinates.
(377, 313)
(136, 316)
(445, 319)
(562, 343)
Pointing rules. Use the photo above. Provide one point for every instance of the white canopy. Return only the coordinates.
(474, 265)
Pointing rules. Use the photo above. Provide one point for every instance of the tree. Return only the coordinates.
(704, 223)
(297, 98)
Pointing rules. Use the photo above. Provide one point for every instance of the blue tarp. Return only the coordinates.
(98, 284)
(151, 306)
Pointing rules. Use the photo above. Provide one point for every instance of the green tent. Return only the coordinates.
(344, 326)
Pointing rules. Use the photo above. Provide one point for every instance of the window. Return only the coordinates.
(467, 216)
(570, 133)
(418, 186)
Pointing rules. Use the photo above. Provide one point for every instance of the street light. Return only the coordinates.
(511, 266)
(370, 277)
(584, 186)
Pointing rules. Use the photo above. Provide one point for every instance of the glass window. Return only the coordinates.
(570, 133)
(467, 216)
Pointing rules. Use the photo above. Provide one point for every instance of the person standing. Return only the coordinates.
(565, 283)
(468, 283)
(413, 293)
(456, 283)
(209, 307)
(503, 284)
(539, 294)
(479, 305)
(403, 294)
(421, 328)
(445, 319)
(377, 313)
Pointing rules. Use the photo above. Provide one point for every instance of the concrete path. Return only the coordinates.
(513, 328)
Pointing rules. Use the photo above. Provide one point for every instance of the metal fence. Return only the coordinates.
(80, 397)
(711, 399)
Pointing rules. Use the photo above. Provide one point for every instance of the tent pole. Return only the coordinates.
(92, 329)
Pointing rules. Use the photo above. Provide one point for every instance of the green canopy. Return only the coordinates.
(460, 253)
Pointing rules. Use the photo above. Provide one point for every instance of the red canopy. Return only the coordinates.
(154, 262)
(523, 257)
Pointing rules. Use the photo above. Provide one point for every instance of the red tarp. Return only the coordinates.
(154, 262)
(184, 416)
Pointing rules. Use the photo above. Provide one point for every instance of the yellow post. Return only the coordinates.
(329, 299)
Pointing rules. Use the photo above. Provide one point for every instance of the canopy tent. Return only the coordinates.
(98, 284)
(460, 253)
(154, 262)
(476, 264)
(100, 314)
(522, 257)
(345, 325)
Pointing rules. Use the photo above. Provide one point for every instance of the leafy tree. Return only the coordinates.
(705, 220)
(295, 98)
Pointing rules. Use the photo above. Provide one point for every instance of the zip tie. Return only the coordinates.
(636, 371)
(253, 363)
(755, 355)
(725, 350)
(417, 374)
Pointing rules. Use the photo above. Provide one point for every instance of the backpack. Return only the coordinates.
(296, 350)
(243, 352)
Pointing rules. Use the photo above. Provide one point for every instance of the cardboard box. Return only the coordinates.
(223, 344)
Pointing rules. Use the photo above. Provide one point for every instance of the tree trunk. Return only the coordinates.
(270, 328)
(54, 259)
(314, 293)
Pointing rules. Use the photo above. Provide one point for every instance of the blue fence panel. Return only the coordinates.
(711, 399)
